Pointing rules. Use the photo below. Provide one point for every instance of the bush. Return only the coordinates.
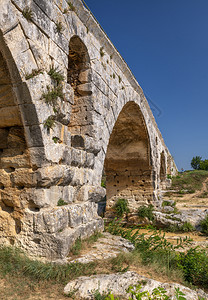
(146, 212)
(121, 207)
(186, 227)
(194, 264)
(204, 225)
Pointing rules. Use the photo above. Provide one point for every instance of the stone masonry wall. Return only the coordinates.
(66, 95)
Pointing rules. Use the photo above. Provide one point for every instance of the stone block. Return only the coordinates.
(68, 92)
(84, 89)
(90, 160)
(8, 19)
(3, 138)
(34, 136)
(37, 157)
(78, 141)
(69, 194)
(47, 197)
(10, 116)
(56, 220)
(76, 157)
(85, 76)
(82, 213)
(78, 178)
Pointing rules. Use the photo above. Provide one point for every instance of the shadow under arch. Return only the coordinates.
(79, 77)
(162, 167)
(128, 166)
(17, 118)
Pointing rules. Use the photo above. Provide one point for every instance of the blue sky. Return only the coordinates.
(165, 44)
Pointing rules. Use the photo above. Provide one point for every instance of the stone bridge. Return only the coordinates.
(71, 113)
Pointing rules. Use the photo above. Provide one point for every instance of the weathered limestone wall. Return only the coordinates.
(57, 135)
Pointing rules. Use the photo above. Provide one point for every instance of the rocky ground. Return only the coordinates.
(190, 207)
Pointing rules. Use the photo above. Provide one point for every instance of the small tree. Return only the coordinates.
(203, 165)
(195, 162)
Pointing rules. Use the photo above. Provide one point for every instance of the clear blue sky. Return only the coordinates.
(165, 44)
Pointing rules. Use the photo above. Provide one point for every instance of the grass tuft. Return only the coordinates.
(56, 75)
(27, 13)
(52, 95)
(71, 6)
(13, 261)
(59, 27)
(34, 73)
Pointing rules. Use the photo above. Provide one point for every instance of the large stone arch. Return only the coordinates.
(128, 162)
(18, 151)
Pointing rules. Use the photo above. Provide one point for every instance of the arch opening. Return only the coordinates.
(162, 167)
(79, 77)
(14, 158)
(127, 164)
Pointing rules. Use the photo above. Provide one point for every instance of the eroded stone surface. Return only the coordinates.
(108, 246)
(85, 287)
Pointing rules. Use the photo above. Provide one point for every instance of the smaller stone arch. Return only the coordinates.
(163, 173)
(79, 77)
(128, 164)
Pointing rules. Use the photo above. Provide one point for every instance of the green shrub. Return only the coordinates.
(194, 264)
(61, 202)
(186, 227)
(146, 212)
(168, 203)
(204, 225)
(121, 207)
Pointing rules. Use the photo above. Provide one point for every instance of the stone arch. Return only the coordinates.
(18, 150)
(79, 77)
(128, 164)
(162, 167)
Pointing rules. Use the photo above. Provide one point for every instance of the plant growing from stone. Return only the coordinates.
(59, 27)
(27, 13)
(52, 95)
(61, 202)
(71, 6)
(121, 207)
(56, 139)
(49, 123)
(34, 73)
(56, 75)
